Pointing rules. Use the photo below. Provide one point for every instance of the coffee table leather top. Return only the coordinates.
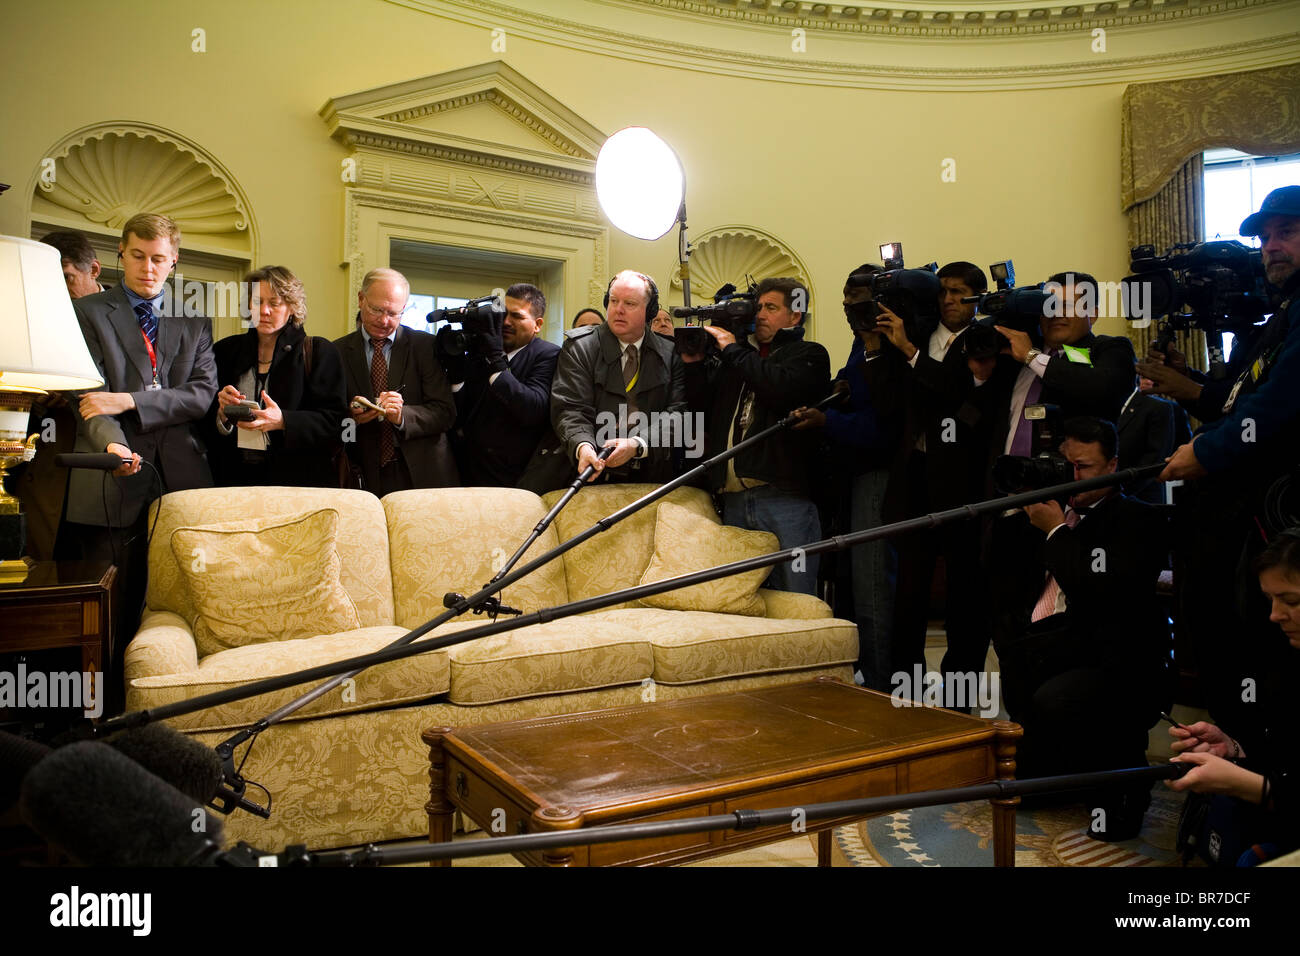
(706, 743)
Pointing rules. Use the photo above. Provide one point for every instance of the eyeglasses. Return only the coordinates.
(375, 313)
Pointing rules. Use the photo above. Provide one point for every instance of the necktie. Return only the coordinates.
(148, 324)
(631, 372)
(379, 383)
(1023, 444)
(1046, 605)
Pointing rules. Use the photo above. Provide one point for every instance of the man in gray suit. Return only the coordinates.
(404, 445)
(159, 378)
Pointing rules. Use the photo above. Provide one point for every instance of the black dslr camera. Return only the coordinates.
(1045, 466)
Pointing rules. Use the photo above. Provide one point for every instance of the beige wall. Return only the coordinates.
(831, 171)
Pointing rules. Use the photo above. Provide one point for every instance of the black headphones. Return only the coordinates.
(651, 306)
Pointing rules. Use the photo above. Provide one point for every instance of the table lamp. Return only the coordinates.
(41, 350)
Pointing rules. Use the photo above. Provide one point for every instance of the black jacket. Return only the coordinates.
(313, 407)
(498, 425)
(795, 373)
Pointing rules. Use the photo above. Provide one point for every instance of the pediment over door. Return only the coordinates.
(479, 158)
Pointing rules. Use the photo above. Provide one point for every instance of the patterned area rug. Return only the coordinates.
(961, 835)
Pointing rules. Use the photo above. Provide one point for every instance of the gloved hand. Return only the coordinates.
(449, 346)
(486, 340)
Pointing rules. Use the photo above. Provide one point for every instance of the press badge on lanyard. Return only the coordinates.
(153, 363)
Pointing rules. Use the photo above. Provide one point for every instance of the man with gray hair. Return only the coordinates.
(401, 403)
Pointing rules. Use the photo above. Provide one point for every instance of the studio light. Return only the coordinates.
(639, 183)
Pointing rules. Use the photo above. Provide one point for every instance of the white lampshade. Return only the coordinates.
(41, 346)
(639, 182)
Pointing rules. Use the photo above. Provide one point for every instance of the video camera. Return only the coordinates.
(1021, 309)
(911, 294)
(731, 311)
(451, 342)
(1221, 285)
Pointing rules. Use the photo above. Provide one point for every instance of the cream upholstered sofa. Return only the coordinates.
(350, 767)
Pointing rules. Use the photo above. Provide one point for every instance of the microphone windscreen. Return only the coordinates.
(190, 767)
(106, 461)
(18, 756)
(103, 809)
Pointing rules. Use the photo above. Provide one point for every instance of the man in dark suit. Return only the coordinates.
(609, 373)
(404, 443)
(1150, 428)
(159, 379)
(945, 454)
(1083, 646)
(503, 398)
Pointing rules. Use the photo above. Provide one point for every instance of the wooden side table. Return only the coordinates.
(63, 604)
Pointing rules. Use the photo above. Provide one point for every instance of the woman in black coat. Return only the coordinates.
(298, 383)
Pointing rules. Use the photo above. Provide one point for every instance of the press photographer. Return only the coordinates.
(501, 379)
(756, 384)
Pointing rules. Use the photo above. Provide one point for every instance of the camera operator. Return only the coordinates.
(608, 372)
(755, 384)
(945, 468)
(866, 438)
(1083, 643)
(1081, 373)
(503, 391)
(1244, 464)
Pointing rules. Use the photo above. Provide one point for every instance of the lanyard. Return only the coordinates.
(153, 360)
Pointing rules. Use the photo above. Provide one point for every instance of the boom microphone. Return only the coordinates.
(103, 809)
(18, 755)
(104, 461)
(181, 761)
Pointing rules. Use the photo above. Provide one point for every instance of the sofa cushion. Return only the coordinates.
(692, 646)
(686, 542)
(264, 580)
(384, 685)
(362, 540)
(456, 539)
(572, 654)
(616, 558)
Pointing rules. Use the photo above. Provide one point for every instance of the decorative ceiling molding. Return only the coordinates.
(106, 173)
(936, 20)
(729, 253)
(1267, 51)
(385, 118)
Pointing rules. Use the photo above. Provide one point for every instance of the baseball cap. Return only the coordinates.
(1283, 201)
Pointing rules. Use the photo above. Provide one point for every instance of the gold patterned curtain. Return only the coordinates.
(1166, 128)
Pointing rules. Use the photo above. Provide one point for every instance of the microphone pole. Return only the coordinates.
(392, 653)
(742, 819)
(492, 605)
(232, 792)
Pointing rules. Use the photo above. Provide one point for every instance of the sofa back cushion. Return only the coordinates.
(456, 539)
(361, 541)
(276, 582)
(616, 558)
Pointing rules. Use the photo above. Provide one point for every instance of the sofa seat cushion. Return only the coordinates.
(615, 559)
(573, 654)
(693, 646)
(384, 685)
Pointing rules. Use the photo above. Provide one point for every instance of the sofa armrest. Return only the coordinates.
(791, 606)
(163, 645)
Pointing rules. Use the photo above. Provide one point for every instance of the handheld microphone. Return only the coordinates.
(104, 461)
(103, 809)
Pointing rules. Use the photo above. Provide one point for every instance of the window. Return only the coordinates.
(419, 306)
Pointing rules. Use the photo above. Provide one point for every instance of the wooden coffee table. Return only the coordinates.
(788, 745)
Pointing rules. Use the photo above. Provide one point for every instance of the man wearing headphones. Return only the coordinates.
(159, 379)
(611, 382)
